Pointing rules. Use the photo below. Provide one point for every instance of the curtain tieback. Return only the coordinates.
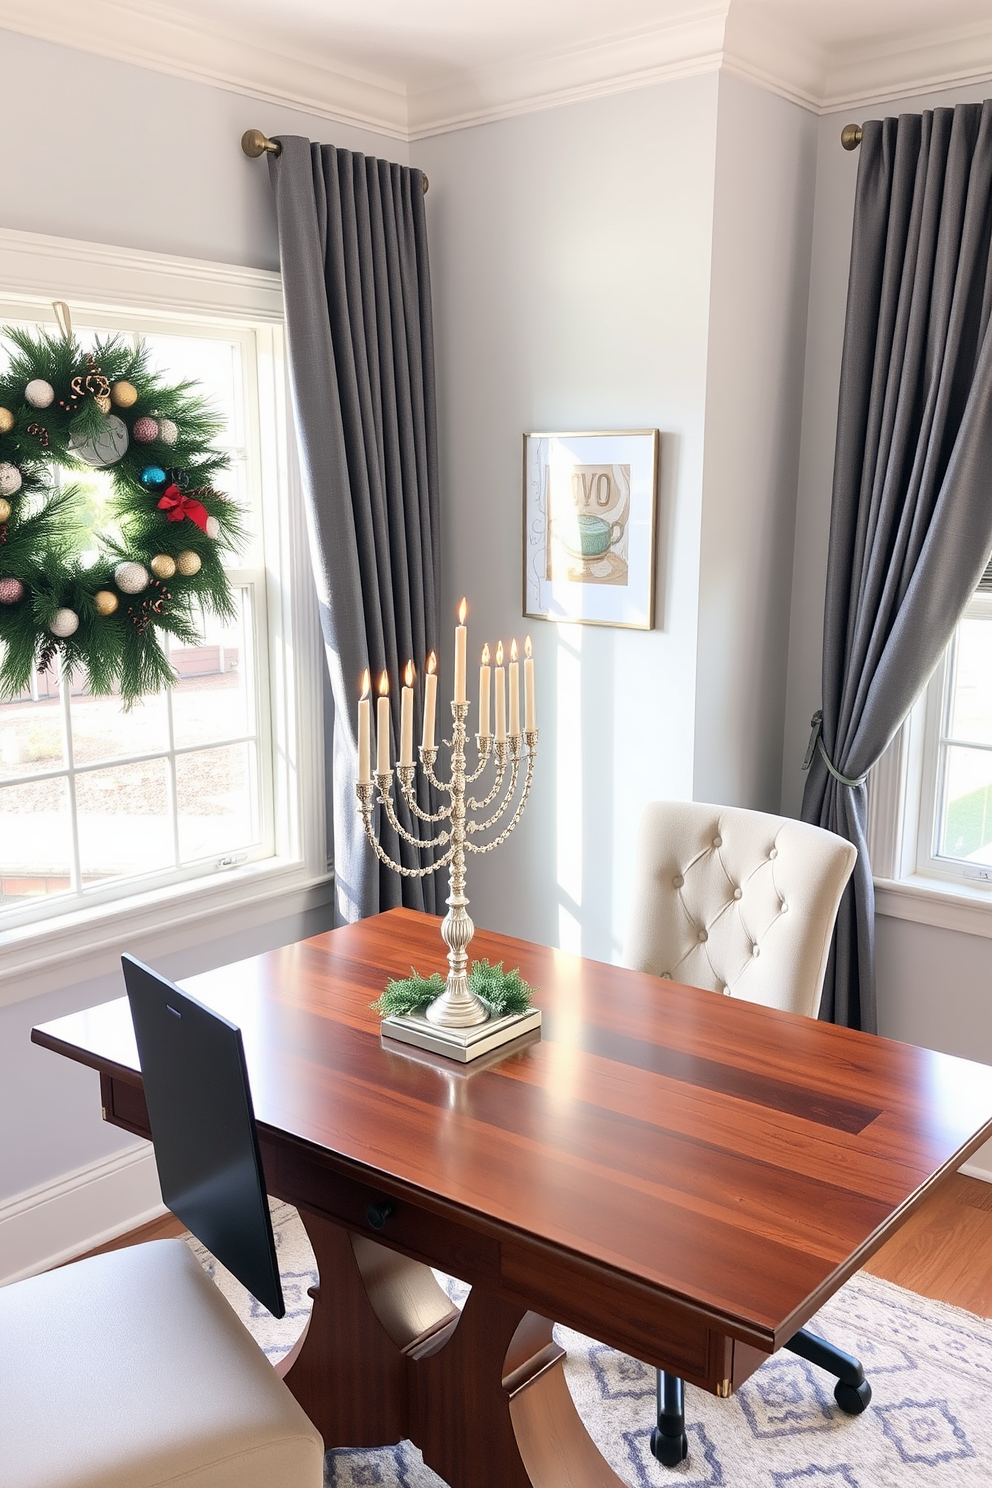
(816, 742)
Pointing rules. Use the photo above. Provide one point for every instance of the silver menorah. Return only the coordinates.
(513, 756)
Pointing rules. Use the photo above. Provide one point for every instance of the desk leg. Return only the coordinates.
(490, 1407)
(371, 1307)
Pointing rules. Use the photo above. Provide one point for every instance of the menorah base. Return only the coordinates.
(462, 1044)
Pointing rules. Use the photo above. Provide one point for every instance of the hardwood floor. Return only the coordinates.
(943, 1251)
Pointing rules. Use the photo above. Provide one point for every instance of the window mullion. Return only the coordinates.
(75, 863)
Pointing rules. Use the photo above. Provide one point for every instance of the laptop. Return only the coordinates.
(203, 1127)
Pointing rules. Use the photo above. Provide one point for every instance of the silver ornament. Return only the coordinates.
(64, 623)
(39, 393)
(212, 528)
(104, 448)
(131, 578)
(10, 478)
(168, 432)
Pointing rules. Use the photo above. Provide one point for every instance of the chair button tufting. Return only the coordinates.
(726, 991)
(756, 950)
(717, 841)
(784, 907)
(666, 976)
(773, 852)
(703, 935)
(738, 894)
(677, 881)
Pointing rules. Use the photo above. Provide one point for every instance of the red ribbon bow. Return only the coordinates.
(176, 506)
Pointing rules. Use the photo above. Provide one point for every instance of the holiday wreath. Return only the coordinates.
(104, 613)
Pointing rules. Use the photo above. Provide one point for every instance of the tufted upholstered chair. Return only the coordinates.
(736, 901)
(130, 1370)
(741, 903)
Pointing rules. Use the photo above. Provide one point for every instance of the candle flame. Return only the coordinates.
(527, 647)
(462, 612)
(432, 663)
(383, 685)
(513, 650)
(408, 674)
(485, 654)
(499, 654)
(366, 683)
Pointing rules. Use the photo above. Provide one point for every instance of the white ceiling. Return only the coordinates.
(416, 67)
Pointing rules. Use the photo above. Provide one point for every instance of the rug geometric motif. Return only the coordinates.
(929, 1424)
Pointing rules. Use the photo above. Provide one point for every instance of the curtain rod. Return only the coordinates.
(254, 144)
(850, 136)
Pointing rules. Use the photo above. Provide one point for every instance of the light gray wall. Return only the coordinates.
(111, 153)
(762, 239)
(933, 984)
(571, 255)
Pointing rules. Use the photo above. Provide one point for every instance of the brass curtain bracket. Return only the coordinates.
(850, 136)
(255, 143)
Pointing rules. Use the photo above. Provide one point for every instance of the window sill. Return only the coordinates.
(86, 943)
(933, 901)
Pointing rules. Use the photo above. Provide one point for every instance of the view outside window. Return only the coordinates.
(96, 801)
(963, 815)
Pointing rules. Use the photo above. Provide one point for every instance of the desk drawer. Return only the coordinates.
(303, 1179)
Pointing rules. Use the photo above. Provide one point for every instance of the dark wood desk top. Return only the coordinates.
(739, 1160)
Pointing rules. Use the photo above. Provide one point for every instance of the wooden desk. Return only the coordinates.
(680, 1175)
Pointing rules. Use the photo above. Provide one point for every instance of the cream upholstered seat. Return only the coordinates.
(736, 901)
(742, 903)
(130, 1370)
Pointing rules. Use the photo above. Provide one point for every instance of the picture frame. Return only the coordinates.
(590, 511)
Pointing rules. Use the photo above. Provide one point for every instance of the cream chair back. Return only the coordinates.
(736, 901)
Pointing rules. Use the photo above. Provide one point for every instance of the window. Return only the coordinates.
(207, 799)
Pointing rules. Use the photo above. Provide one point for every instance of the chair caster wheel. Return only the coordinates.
(669, 1450)
(852, 1400)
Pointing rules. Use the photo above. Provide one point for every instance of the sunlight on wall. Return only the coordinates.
(569, 786)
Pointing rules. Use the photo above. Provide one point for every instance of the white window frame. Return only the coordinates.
(99, 280)
(911, 881)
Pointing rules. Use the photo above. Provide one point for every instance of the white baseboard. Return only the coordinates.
(977, 1170)
(78, 1211)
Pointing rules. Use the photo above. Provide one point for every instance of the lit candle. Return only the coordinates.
(530, 702)
(430, 702)
(382, 727)
(461, 637)
(514, 691)
(484, 690)
(406, 717)
(500, 697)
(365, 733)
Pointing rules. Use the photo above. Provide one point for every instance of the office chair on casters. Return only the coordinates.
(741, 903)
(130, 1370)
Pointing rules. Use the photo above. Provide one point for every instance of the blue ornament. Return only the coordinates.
(153, 476)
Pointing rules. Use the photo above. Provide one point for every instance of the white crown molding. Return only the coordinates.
(720, 35)
(686, 46)
(175, 42)
(924, 64)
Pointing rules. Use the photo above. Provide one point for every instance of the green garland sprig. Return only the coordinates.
(106, 620)
(503, 992)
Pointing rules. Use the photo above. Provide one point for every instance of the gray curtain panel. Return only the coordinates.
(911, 518)
(356, 282)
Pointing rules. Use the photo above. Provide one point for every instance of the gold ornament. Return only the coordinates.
(124, 394)
(105, 602)
(4, 509)
(188, 563)
(6, 420)
(162, 566)
(102, 402)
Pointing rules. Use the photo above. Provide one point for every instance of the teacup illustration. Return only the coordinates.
(588, 536)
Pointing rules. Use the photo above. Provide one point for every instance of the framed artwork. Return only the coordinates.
(589, 522)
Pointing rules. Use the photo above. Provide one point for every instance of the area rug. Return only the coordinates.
(929, 1424)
